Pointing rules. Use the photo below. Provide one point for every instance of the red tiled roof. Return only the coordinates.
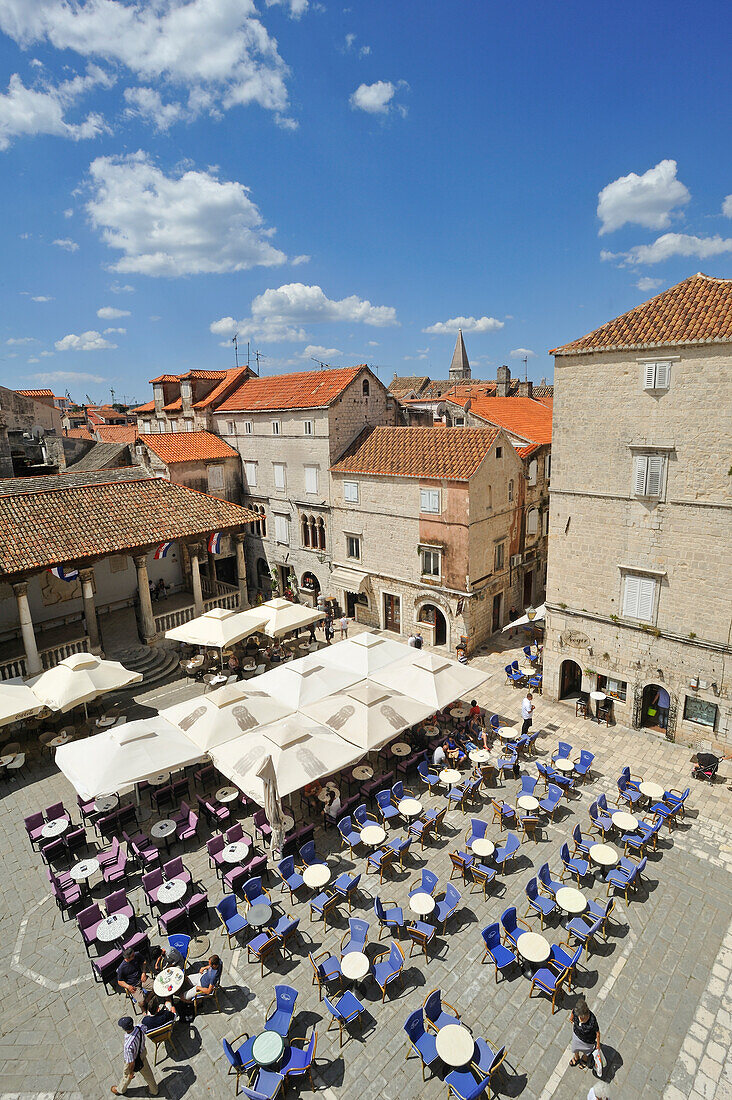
(174, 406)
(524, 452)
(309, 389)
(116, 433)
(71, 525)
(148, 407)
(165, 378)
(173, 447)
(696, 311)
(79, 433)
(450, 453)
(35, 393)
(231, 379)
(209, 375)
(532, 420)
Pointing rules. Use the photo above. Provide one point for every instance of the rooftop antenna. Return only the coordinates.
(321, 364)
(112, 393)
(258, 355)
(234, 341)
(526, 368)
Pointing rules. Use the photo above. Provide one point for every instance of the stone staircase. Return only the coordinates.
(157, 665)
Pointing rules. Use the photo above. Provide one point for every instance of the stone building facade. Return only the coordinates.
(639, 594)
(186, 402)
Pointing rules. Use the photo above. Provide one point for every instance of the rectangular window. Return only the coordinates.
(308, 427)
(546, 522)
(282, 529)
(146, 427)
(548, 468)
(648, 476)
(350, 491)
(533, 471)
(656, 376)
(532, 521)
(431, 563)
(215, 478)
(230, 427)
(279, 475)
(700, 711)
(498, 556)
(499, 452)
(639, 597)
(616, 689)
(429, 501)
(276, 427)
(353, 547)
(311, 479)
(510, 491)
(250, 472)
(248, 427)
(188, 425)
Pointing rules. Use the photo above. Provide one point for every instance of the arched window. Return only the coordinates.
(261, 525)
(305, 531)
(321, 534)
(510, 491)
(365, 387)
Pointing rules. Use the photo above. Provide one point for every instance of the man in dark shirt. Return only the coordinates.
(157, 1015)
(132, 976)
(170, 957)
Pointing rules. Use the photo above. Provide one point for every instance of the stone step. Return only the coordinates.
(156, 665)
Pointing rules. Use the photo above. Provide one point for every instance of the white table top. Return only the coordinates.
(372, 834)
(62, 739)
(455, 1044)
(83, 870)
(562, 764)
(355, 965)
(401, 748)
(163, 828)
(169, 981)
(527, 802)
(483, 847)
(604, 854)
(316, 876)
(104, 805)
(322, 795)
(507, 733)
(112, 928)
(287, 822)
(598, 696)
(479, 756)
(460, 711)
(651, 790)
(56, 827)
(422, 903)
(235, 851)
(363, 772)
(410, 807)
(226, 794)
(624, 821)
(571, 900)
(450, 775)
(160, 779)
(107, 721)
(8, 758)
(172, 891)
(533, 947)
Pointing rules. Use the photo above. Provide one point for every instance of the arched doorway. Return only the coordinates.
(570, 679)
(654, 707)
(310, 583)
(428, 613)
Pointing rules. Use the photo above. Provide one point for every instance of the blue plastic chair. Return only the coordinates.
(434, 1011)
(181, 943)
(389, 918)
(345, 886)
(552, 800)
(633, 781)
(559, 960)
(447, 906)
(550, 884)
(646, 835)
(268, 1085)
(509, 849)
(528, 785)
(461, 1084)
(326, 970)
(545, 907)
(349, 836)
(299, 1061)
(583, 766)
(505, 814)
(399, 846)
(281, 1018)
(582, 842)
(476, 831)
(429, 778)
(628, 794)
(254, 893)
(348, 1009)
(501, 956)
(423, 1044)
(576, 867)
(308, 856)
(390, 968)
(512, 926)
(387, 809)
(286, 929)
(529, 655)
(583, 932)
(495, 723)
(603, 911)
(355, 938)
(361, 816)
(487, 1061)
(563, 752)
(322, 905)
(600, 818)
(397, 791)
(231, 919)
(239, 1058)
(289, 876)
(550, 982)
(482, 876)
(425, 884)
(421, 934)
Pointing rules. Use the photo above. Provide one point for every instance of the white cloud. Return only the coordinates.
(121, 331)
(295, 7)
(727, 206)
(109, 313)
(18, 341)
(47, 354)
(645, 283)
(26, 112)
(522, 353)
(42, 298)
(375, 99)
(467, 324)
(297, 260)
(218, 50)
(669, 245)
(122, 288)
(67, 376)
(372, 343)
(646, 200)
(87, 341)
(276, 314)
(154, 317)
(69, 213)
(362, 51)
(67, 244)
(188, 224)
(147, 104)
(350, 39)
(33, 360)
(317, 351)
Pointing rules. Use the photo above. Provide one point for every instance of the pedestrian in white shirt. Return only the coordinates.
(438, 756)
(527, 712)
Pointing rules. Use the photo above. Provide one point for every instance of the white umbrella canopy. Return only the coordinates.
(225, 714)
(435, 681)
(79, 679)
(283, 616)
(301, 751)
(367, 714)
(17, 701)
(305, 681)
(115, 759)
(365, 653)
(220, 627)
(524, 620)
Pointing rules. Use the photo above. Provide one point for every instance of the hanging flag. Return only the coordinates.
(162, 550)
(67, 574)
(214, 543)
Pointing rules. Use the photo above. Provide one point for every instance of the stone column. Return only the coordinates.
(143, 588)
(90, 612)
(241, 569)
(32, 660)
(194, 553)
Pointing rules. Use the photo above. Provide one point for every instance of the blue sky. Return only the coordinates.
(347, 182)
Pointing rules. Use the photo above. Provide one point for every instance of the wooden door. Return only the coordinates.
(392, 613)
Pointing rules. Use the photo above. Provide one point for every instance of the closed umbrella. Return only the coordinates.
(365, 653)
(79, 679)
(17, 701)
(368, 714)
(436, 681)
(305, 680)
(272, 805)
(225, 714)
(284, 617)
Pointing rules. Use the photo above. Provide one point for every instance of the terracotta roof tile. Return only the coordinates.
(79, 433)
(148, 407)
(524, 452)
(165, 378)
(532, 420)
(116, 433)
(173, 447)
(696, 311)
(231, 379)
(41, 529)
(174, 406)
(453, 454)
(310, 389)
(209, 375)
(35, 393)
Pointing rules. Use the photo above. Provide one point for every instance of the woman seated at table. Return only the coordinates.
(156, 1014)
(332, 808)
(311, 791)
(453, 751)
(234, 666)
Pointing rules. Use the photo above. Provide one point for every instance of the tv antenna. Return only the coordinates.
(258, 356)
(112, 393)
(526, 368)
(321, 364)
(234, 341)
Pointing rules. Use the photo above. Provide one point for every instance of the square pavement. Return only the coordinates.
(660, 987)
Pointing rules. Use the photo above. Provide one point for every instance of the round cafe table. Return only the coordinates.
(160, 779)
(507, 733)
(654, 791)
(410, 807)
(259, 914)
(528, 802)
(168, 981)
(316, 876)
(482, 847)
(112, 928)
(62, 739)
(479, 756)
(372, 835)
(604, 855)
(401, 748)
(449, 776)
(104, 805)
(83, 871)
(162, 830)
(455, 1044)
(422, 903)
(226, 794)
(625, 822)
(268, 1048)
(363, 772)
(460, 711)
(171, 891)
(322, 795)
(562, 764)
(355, 966)
(56, 827)
(287, 822)
(106, 721)
(572, 901)
(597, 698)
(533, 947)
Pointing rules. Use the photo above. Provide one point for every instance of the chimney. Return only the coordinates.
(503, 378)
(526, 389)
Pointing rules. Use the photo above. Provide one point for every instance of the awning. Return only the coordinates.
(349, 579)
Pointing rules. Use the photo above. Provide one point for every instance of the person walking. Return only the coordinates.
(527, 713)
(328, 628)
(585, 1033)
(133, 1052)
(344, 626)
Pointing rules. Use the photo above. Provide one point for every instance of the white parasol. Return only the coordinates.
(79, 679)
(367, 714)
(305, 680)
(225, 714)
(17, 701)
(220, 627)
(526, 620)
(284, 617)
(365, 653)
(435, 681)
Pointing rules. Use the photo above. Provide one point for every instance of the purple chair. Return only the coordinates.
(116, 872)
(86, 809)
(151, 883)
(75, 839)
(66, 898)
(185, 830)
(104, 970)
(261, 825)
(197, 905)
(234, 833)
(118, 903)
(106, 858)
(34, 828)
(216, 812)
(233, 877)
(53, 849)
(52, 813)
(146, 854)
(256, 866)
(173, 917)
(89, 920)
(140, 941)
(215, 847)
(174, 869)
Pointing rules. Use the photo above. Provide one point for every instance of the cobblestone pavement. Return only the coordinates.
(660, 986)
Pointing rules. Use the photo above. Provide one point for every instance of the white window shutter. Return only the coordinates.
(311, 479)
(663, 375)
(646, 594)
(654, 481)
(531, 524)
(639, 479)
(650, 376)
(630, 596)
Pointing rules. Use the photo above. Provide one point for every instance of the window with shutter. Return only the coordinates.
(248, 427)
(630, 596)
(532, 519)
(282, 529)
(533, 471)
(639, 595)
(429, 501)
(350, 491)
(215, 477)
(641, 469)
(656, 376)
(279, 474)
(654, 479)
(311, 479)
(650, 376)
(250, 469)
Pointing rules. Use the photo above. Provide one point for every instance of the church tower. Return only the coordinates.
(460, 367)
